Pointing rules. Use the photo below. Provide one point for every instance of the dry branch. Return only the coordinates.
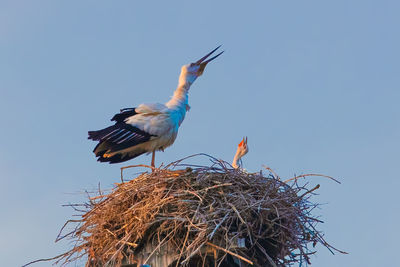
(190, 208)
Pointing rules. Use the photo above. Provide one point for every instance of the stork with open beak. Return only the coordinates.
(148, 127)
(242, 150)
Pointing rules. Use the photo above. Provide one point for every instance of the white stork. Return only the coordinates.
(148, 127)
(242, 150)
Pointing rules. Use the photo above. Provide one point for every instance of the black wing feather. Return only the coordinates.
(125, 113)
(118, 137)
(117, 158)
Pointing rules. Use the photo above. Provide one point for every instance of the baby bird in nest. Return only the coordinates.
(242, 150)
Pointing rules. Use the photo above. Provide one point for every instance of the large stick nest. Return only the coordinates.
(192, 209)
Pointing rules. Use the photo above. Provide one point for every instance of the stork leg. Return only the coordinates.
(153, 156)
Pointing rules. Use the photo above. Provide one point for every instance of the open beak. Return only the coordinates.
(243, 142)
(204, 61)
(198, 62)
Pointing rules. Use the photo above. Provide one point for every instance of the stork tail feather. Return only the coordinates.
(117, 158)
(118, 142)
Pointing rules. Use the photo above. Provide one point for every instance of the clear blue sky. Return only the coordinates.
(313, 84)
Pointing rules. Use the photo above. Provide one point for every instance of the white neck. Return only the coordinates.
(178, 104)
(235, 162)
(180, 98)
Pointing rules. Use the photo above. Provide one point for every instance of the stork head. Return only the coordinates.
(242, 148)
(191, 71)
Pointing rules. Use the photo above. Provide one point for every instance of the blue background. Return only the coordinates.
(313, 84)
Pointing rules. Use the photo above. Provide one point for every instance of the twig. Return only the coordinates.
(310, 191)
(59, 237)
(237, 212)
(48, 259)
(272, 171)
(158, 246)
(134, 166)
(230, 252)
(210, 236)
(311, 174)
(216, 186)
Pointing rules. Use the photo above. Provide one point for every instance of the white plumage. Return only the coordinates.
(148, 127)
